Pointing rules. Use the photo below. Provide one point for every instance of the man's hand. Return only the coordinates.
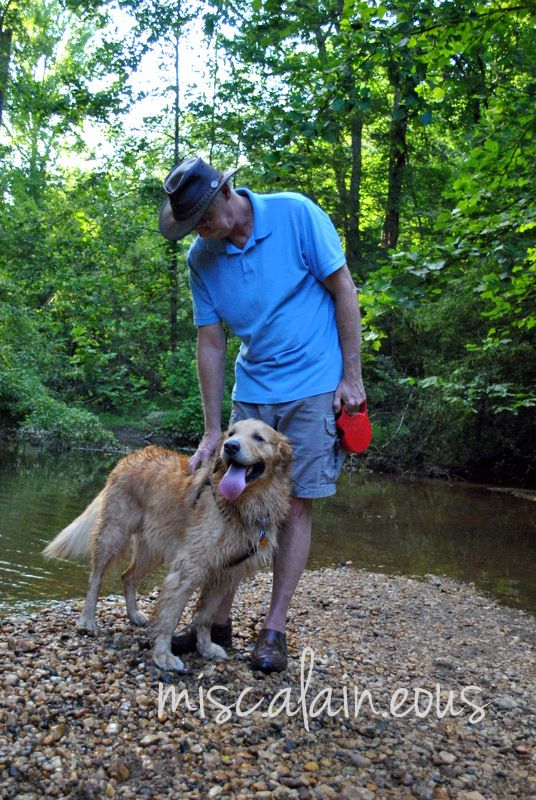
(206, 449)
(351, 393)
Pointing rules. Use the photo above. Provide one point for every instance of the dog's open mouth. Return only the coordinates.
(254, 471)
(237, 477)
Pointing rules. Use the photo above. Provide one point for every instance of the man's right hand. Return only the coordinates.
(206, 449)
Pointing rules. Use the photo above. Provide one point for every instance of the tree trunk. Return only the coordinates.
(397, 164)
(173, 246)
(6, 37)
(353, 219)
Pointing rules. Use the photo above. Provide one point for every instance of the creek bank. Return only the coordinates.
(135, 437)
(80, 716)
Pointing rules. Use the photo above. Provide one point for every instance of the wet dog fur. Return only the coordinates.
(169, 516)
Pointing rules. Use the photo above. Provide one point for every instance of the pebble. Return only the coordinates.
(119, 771)
(359, 760)
(113, 728)
(325, 791)
(504, 702)
(362, 793)
(83, 712)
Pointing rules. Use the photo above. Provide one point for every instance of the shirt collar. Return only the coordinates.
(262, 226)
(261, 222)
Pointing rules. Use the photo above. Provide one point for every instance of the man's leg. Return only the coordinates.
(270, 652)
(289, 561)
(310, 425)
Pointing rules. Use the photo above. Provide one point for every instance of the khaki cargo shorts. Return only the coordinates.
(310, 426)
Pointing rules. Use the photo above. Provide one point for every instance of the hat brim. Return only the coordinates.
(174, 229)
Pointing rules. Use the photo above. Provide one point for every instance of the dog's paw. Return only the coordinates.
(167, 661)
(86, 625)
(212, 651)
(139, 618)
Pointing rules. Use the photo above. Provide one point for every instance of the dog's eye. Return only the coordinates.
(258, 437)
(230, 433)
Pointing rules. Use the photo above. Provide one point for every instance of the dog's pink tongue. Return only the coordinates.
(233, 482)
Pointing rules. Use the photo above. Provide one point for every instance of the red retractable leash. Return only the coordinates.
(355, 430)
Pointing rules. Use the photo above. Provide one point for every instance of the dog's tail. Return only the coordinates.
(74, 540)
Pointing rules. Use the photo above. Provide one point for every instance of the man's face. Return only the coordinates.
(217, 221)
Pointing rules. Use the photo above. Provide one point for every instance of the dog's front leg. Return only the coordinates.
(175, 593)
(207, 607)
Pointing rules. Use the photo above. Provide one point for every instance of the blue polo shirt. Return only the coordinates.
(271, 296)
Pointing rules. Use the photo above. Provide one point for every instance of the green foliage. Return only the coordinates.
(185, 418)
(443, 427)
(25, 403)
(411, 123)
(184, 415)
(51, 420)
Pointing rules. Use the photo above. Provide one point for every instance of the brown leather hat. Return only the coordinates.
(191, 186)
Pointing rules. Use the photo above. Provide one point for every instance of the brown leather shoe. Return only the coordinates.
(270, 651)
(186, 640)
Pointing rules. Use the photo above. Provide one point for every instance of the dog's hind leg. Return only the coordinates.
(143, 561)
(110, 543)
(175, 593)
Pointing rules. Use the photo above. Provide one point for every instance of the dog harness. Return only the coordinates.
(262, 541)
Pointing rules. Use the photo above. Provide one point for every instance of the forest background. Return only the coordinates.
(411, 123)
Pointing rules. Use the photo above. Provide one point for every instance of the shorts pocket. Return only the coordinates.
(333, 456)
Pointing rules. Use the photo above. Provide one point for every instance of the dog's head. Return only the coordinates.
(251, 451)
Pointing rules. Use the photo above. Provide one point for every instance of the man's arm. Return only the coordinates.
(211, 346)
(350, 390)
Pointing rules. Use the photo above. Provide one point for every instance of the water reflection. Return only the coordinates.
(418, 527)
(382, 524)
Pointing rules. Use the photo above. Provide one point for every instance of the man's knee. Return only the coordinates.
(300, 508)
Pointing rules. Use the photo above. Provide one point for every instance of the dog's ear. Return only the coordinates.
(285, 452)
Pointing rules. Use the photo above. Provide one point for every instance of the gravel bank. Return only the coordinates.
(80, 716)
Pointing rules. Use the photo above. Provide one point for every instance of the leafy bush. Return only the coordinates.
(25, 402)
(184, 418)
(60, 425)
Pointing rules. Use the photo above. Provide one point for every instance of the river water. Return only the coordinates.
(382, 524)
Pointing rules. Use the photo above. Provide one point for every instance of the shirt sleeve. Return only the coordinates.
(204, 311)
(320, 243)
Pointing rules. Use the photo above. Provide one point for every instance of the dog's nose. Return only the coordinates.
(231, 447)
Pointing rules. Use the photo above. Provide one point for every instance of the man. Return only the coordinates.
(272, 268)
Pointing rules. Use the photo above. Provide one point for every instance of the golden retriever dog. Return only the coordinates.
(213, 528)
